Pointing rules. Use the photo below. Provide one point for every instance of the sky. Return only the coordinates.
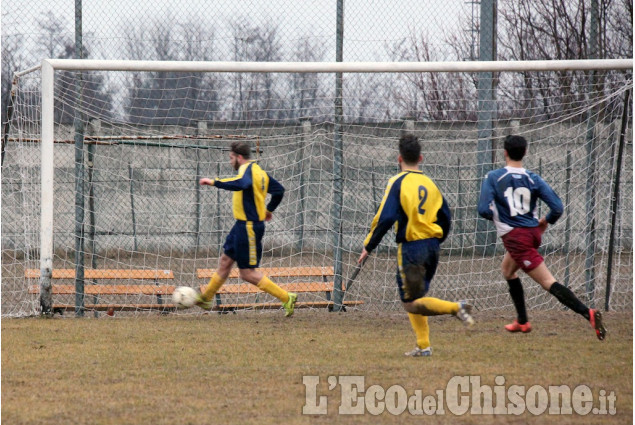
(370, 25)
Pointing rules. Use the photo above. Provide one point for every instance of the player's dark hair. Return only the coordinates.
(409, 149)
(516, 147)
(241, 148)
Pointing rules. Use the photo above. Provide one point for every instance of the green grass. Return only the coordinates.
(248, 368)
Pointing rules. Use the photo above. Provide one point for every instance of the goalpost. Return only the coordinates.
(334, 164)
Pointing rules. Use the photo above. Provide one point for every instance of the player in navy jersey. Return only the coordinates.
(509, 197)
(244, 241)
(422, 218)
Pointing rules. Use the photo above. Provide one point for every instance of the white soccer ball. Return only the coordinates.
(184, 296)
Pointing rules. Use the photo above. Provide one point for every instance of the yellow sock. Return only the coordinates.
(271, 288)
(212, 287)
(422, 331)
(433, 306)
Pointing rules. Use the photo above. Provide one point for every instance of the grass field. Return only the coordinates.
(248, 368)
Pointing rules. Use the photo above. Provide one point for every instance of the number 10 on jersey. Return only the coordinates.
(518, 200)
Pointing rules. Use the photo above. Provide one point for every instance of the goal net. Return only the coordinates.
(125, 145)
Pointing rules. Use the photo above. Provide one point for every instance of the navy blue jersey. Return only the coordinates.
(509, 197)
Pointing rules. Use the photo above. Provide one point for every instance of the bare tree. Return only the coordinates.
(306, 91)
(256, 95)
(553, 29)
(171, 98)
(55, 41)
(430, 96)
(54, 35)
(12, 60)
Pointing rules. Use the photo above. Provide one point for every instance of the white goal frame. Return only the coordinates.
(49, 66)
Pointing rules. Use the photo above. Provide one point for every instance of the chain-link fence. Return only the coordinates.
(149, 137)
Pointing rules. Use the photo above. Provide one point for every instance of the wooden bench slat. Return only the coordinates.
(268, 306)
(104, 274)
(276, 272)
(223, 307)
(247, 288)
(117, 307)
(109, 289)
(243, 288)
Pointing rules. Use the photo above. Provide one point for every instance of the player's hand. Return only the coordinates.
(268, 216)
(205, 181)
(363, 256)
(542, 225)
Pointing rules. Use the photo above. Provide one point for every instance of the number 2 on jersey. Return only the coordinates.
(518, 200)
(423, 195)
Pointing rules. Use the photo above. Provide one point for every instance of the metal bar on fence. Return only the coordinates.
(615, 199)
(79, 169)
(132, 209)
(338, 152)
(540, 174)
(567, 225)
(218, 220)
(91, 217)
(197, 223)
(485, 235)
(459, 202)
(306, 130)
(373, 185)
(589, 263)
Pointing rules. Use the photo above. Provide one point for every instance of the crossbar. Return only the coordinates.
(337, 67)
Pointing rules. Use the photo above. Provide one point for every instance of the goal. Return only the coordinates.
(101, 161)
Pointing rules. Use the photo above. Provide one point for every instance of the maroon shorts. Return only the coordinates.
(522, 245)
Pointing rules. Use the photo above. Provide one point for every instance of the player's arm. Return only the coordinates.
(276, 190)
(547, 194)
(241, 181)
(444, 219)
(386, 216)
(486, 198)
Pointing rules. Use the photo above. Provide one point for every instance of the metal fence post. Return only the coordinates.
(615, 198)
(338, 154)
(589, 263)
(79, 170)
(485, 235)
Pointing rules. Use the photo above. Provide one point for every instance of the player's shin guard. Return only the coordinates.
(568, 298)
(429, 306)
(422, 331)
(269, 287)
(518, 297)
(212, 287)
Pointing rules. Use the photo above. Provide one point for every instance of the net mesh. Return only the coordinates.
(149, 138)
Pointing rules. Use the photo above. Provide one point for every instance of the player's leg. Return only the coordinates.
(544, 278)
(419, 324)
(418, 265)
(249, 260)
(225, 264)
(205, 299)
(256, 277)
(509, 269)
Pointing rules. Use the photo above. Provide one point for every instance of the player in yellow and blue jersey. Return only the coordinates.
(244, 242)
(421, 215)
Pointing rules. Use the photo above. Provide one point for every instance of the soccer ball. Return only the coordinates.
(184, 296)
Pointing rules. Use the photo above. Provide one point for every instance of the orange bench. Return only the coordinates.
(325, 285)
(96, 290)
